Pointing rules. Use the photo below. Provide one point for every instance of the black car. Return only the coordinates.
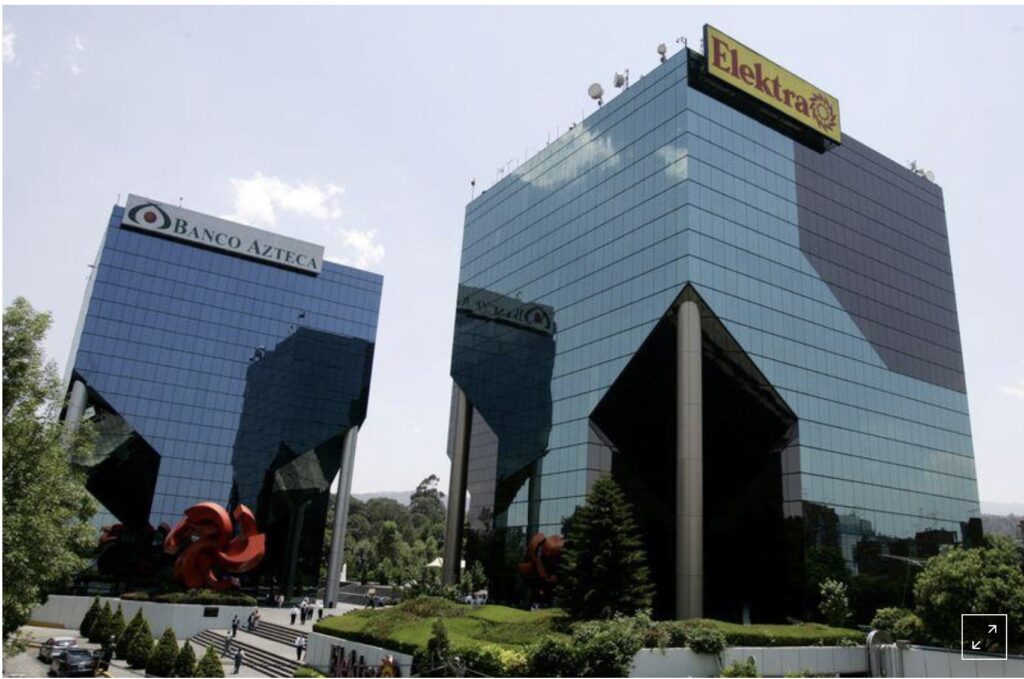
(72, 662)
(55, 645)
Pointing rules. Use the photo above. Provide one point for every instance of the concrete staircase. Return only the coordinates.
(267, 662)
(283, 634)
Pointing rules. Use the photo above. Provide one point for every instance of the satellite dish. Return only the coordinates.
(929, 175)
(662, 50)
(596, 92)
(619, 80)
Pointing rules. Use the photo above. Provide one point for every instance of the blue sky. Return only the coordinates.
(361, 128)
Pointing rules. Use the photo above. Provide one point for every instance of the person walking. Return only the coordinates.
(319, 611)
(235, 622)
(239, 657)
(299, 646)
(227, 646)
(294, 613)
(255, 618)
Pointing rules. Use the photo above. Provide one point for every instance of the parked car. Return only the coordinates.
(72, 662)
(54, 645)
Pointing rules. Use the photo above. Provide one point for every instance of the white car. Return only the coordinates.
(55, 645)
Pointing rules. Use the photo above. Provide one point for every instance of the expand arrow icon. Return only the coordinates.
(993, 629)
(975, 645)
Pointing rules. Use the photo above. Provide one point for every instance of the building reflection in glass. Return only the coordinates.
(300, 398)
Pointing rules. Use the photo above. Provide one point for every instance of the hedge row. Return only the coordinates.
(204, 597)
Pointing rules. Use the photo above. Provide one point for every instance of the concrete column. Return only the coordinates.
(76, 407)
(689, 465)
(457, 489)
(348, 458)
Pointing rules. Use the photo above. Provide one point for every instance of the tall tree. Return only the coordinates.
(46, 534)
(604, 566)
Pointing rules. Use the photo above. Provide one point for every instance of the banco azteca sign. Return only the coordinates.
(220, 234)
(735, 64)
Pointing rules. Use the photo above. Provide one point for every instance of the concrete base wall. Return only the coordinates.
(185, 619)
(318, 653)
(933, 662)
(774, 662)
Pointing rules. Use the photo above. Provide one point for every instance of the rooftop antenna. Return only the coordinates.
(621, 80)
(472, 188)
(596, 93)
(681, 40)
(181, 199)
(662, 51)
(118, 199)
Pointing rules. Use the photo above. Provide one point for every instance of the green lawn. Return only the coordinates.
(407, 627)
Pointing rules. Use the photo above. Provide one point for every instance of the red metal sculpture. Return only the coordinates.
(204, 538)
(538, 568)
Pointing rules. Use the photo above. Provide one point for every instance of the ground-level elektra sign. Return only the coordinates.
(735, 64)
(221, 234)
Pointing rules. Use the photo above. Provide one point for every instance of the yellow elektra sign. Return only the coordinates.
(741, 67)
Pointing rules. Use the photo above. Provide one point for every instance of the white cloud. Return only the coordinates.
(38, 74)
(9, 37)
(75, 69)
(1016, 390)
(79, 43)
(361, 248)
(259, 199)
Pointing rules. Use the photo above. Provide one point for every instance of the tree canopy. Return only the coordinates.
(46, 508)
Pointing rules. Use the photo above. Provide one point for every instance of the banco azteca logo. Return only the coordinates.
(150, 215)
(822, 112)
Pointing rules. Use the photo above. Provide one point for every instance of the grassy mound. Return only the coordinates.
(407, 626)
(805, 634)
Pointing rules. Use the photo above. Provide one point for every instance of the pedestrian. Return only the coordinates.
(298, 647)
(239, 657)
(227, 646)
(255, 617)
(235, 622)
(319, 610)
(248, 623)
(294, 613)
(280, 600)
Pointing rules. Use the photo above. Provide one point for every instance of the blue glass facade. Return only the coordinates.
(829, 271)
(211, 377)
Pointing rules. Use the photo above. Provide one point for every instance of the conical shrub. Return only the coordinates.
(185, 663)
(117, 625)
(210, 665)
(161, 660)
(98, 630)
(140, 647)
(125, 640)
(89, 617)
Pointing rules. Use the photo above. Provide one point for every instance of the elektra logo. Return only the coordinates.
(151, 215)
(822, 112)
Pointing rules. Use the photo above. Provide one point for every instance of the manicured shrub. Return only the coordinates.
(606, 648)
(705, 638)
(205, 597)
(835, 605)
(439, 649)
(308, 672)
(885, 618)
(209, 665)
(161, 660)
(495, 661)
(910, 627)
(185, 662)
(140, 647)
(741, 668)
(552, 658)
(89, 617)
(125, 640)
(99, 631)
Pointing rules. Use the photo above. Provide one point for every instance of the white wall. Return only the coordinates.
(682, 662)
(931, 662)
(185, 619)
(318, 652)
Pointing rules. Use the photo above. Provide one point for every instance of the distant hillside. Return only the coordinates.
(1002, 508)
(400, 496)
(1002, 525)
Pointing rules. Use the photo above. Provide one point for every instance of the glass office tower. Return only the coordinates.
(829, 380)
(213, 375)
